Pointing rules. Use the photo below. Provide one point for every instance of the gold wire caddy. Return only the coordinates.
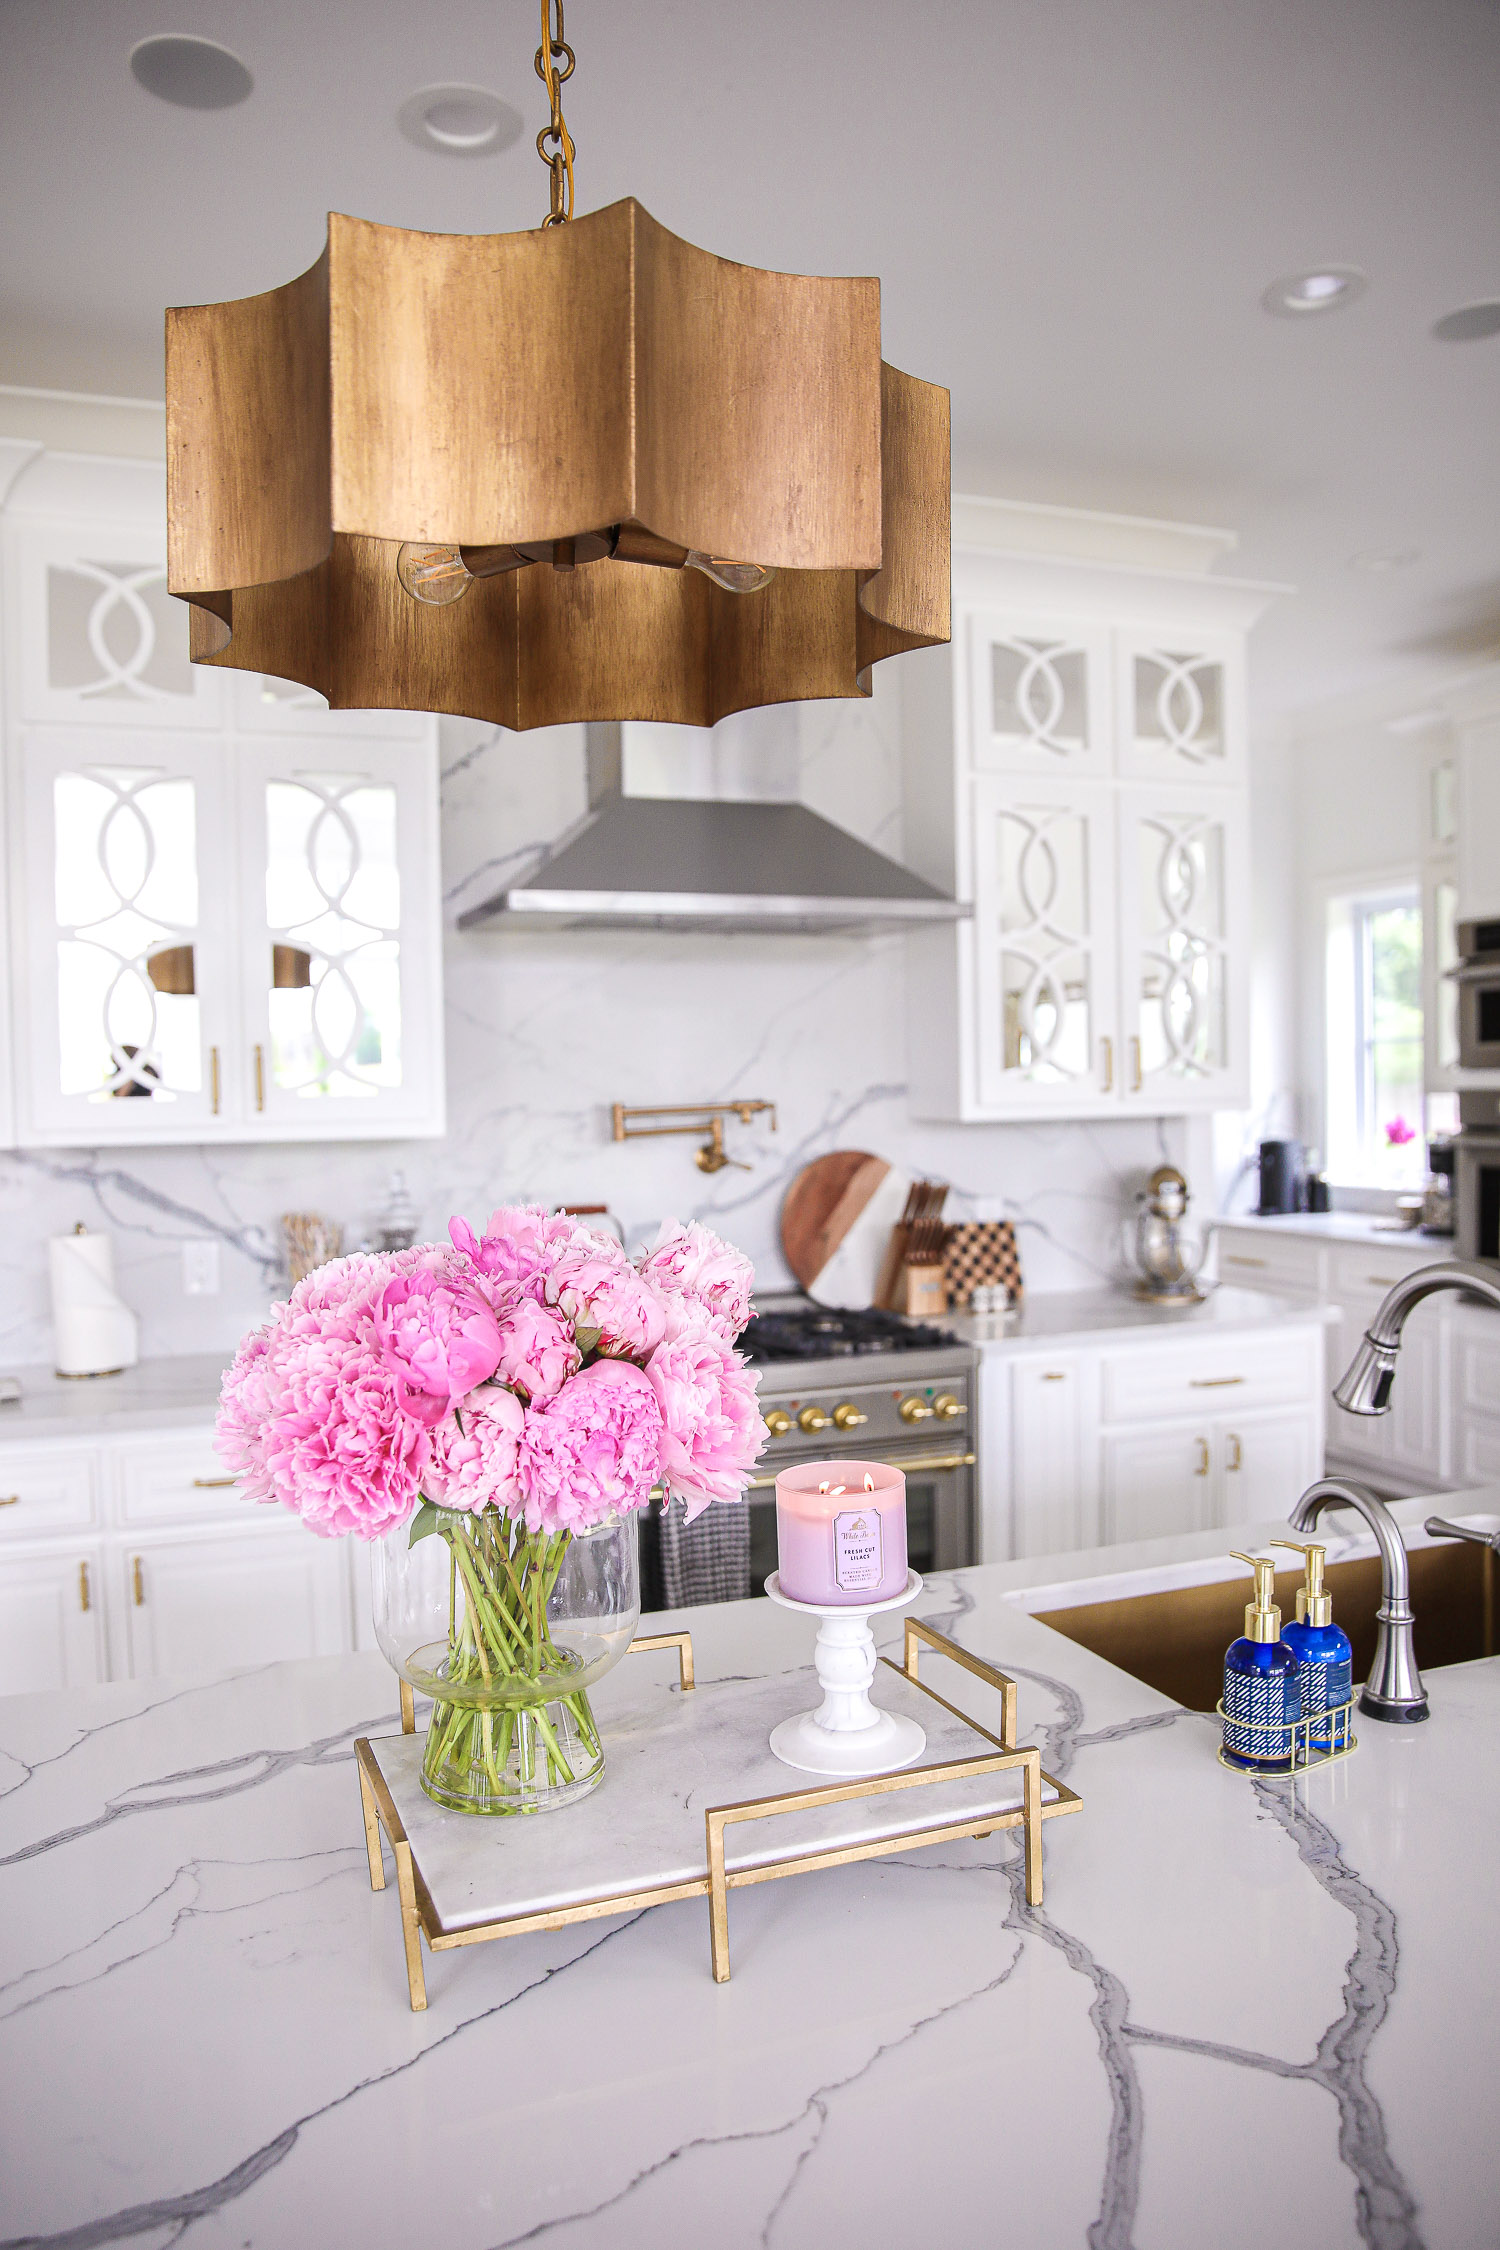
(431, 1849)
(1290, 1748)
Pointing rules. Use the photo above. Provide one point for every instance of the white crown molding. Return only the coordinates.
(131, 429)
(1030, 527)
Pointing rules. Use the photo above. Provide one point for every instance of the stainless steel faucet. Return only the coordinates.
(1394, 1690)
(1365, 1385)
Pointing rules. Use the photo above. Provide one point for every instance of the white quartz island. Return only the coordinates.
(1246, 2012)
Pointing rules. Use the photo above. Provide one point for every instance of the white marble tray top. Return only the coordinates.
(670, 1754)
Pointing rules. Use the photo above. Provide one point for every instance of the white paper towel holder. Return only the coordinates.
(101, 1310)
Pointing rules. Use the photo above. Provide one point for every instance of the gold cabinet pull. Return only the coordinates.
(212, 1484)
(11, 1500)
(1235, 1456)
(1055, 1375)
(260, 1077)
(213, 1079)
(137, 1581)
(83, 1586)
(1135, 1064)
(1238, 1258)
(1214, 1382)
(1203, 1458)
(1109, 1064)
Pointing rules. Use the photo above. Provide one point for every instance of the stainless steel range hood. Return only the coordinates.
(707, 863)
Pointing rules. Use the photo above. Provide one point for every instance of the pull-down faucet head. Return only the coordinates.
(1365, 1385)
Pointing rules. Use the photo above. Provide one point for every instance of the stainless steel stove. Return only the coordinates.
(866, 1386)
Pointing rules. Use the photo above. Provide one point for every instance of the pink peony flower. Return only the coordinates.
(712, 1425)
(311, 1415)
(595, 1284)
(520, 1245)
(538, 1350)
(437, 1339)
(1398, 1132)
(475, 1451)
(592, 1451)
(691, 1261)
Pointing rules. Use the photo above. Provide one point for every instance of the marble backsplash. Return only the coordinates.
(545, 1030)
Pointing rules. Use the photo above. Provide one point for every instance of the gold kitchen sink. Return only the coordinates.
(1175, 1639)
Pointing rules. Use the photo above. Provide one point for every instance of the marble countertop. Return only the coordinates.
(171, 1393)
(1246, 2009)
(1105, 1315)
(1364, 1227)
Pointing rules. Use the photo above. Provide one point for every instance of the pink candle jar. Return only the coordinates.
(841, 1533)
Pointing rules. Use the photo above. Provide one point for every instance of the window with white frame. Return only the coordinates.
(1375, 1097)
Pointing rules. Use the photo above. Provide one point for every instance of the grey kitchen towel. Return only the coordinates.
(707, 1560)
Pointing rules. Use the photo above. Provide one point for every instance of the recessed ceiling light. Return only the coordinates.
(459, 120)
(1373, 561)
(1470, 324)
(1319, 289)
(192, 73)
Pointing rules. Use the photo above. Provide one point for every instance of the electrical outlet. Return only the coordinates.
(200, 1268)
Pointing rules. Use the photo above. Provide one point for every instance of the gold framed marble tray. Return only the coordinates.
(694, 1805)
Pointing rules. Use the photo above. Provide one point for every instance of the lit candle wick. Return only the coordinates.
(869, 1482)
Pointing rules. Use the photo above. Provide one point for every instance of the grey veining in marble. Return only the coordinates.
(1240, 2002)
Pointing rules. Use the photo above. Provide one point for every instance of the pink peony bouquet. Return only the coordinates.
(533, 1369)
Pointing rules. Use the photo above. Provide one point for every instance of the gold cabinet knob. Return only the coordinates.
(778, 1422)
(915, 1410)
(947, 1408)
(812, 1418)
(847, 1417)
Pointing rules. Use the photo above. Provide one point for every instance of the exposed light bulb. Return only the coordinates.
(435, 575)
(734, 577)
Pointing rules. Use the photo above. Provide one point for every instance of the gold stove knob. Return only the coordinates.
(813, 1419)
(778, 1422)
(947, 1408)
(848, 1417)
(915, 1410)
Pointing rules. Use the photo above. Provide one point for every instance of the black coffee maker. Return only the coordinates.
(1281, 1169)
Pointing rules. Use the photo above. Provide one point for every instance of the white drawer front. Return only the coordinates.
(1479, 1453)
(1210, 1376)
(1370, 1272)
(46, 1488)
(175, 1475)
(1262, 1261)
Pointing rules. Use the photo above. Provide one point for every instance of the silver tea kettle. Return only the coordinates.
(1169, 1253)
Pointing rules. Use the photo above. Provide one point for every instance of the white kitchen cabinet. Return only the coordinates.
(138, 1556)
(1044, 935)
(1076, 775)
(1039, 695)
(1054, 1411)
(1138, 1440)
(1156, 1482)
(225, 919)
(211, 1600)
(1184, 924)
(51, 1618)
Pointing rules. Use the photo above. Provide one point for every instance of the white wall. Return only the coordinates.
(545, 1031)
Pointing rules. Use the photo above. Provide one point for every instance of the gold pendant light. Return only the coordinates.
(585, 472)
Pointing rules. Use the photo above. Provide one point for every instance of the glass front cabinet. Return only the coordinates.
(225, 919)
(1094, 821)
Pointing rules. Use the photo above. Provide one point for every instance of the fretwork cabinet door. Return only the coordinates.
(1180, 706)
(1184, 954)
(1039, 696)
(1044, 921)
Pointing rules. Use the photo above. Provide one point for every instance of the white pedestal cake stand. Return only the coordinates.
(846, 1735)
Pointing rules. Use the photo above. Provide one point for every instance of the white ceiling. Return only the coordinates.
(1073, 204)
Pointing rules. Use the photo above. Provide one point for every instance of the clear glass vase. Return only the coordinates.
(506, 1629)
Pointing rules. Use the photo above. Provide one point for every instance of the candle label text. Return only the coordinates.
(857, 1563)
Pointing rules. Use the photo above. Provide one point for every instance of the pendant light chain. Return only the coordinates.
(554, 67)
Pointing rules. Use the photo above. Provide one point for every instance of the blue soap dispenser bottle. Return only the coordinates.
(1324, 1656)
(1261, 1699)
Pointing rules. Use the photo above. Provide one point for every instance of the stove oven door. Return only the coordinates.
(939, 1505)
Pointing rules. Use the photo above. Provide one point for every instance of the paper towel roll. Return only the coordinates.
(93, 1329)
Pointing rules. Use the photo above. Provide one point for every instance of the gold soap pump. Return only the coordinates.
(1262, 1617)
(1314, 1602)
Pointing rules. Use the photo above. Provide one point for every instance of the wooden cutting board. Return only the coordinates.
(836, 1222)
